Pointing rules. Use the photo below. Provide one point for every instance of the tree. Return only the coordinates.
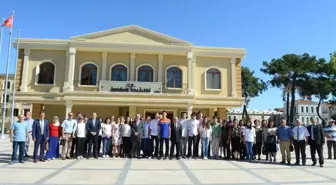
(251, 87)
(287, 71)
(318, 83)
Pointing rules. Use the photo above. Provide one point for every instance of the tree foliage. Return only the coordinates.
(252, 86)
(287, 72)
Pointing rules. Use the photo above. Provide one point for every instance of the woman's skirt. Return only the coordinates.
(271, 148)
(53, 151)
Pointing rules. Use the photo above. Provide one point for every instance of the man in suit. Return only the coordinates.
(176, 135)
(92, 128)
(137, 129)
(316, 141)
(40, 135)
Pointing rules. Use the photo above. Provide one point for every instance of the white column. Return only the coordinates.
(68, 108)
(72, 61)
(69, 82)
(189, 110)
(23, 87)
(191, 60)
(233, 76)
(132, 67)
(104, 59)
(160, 59)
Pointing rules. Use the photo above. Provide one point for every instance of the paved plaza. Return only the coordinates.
(158, 172)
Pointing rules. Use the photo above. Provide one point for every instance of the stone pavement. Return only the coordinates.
(163, 172)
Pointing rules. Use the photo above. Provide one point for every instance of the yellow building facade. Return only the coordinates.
(126, 71)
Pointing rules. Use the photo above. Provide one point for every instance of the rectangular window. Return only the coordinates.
(312, 109)
(3, 98)
(301, 109)
(306, 109)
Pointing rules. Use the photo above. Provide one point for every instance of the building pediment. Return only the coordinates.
(131, 34)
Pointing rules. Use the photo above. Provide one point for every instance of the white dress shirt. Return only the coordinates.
(184, 124)
(193, 127)
(154, 125)
(81, 130)
(300, 133)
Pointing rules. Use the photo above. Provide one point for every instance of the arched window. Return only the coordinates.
(145, 74)
(119, 73)
(46, 73)
(8, 84)
(213, 79)
(89, 74)
(174, 77)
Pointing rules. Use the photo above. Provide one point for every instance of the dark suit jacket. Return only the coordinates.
(90, 127)
(176, 132)
(136, 128)
(37, 132)
(318, 134)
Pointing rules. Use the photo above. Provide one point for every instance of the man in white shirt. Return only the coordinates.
(193, 128)
(300, 135)
(184, 139)
(154, 136)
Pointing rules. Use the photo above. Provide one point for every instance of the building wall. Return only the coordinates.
(238, 78)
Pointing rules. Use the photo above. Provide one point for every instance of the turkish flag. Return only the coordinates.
(8, 22)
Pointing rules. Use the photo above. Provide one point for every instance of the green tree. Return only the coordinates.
(319, 83)
(287, 71)
(251, 86)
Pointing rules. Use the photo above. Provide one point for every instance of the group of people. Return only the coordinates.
(162, 138)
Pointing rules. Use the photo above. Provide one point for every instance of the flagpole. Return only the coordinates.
(3, 20)
(14, 86)
(6, 81)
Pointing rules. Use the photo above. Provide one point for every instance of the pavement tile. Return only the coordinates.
(225, 177)
(43, 165)
(208, 164)
(85, 177)
(157, 177)
(9, 175)
(289, 175)
(151, 165)
(99, 164)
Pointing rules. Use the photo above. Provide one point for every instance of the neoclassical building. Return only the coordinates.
(125, 71)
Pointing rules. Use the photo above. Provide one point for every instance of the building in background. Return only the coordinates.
(127, 71)
(305, 109)
(273, 115)
(19, 108)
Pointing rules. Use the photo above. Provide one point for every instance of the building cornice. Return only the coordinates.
(58, 44)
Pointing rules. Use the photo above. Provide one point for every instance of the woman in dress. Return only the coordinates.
(205, 132)
(271, 141)
(259, 141)
(117, 137)
(121, 151)
(126, 137)
(80, 138)
(107, 137)
(235, 139)
(53, 142)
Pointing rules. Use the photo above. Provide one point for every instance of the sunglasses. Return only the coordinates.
(70, 115)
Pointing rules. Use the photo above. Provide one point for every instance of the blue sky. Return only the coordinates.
(267, 29)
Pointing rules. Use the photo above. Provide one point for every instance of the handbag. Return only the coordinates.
(291, 148)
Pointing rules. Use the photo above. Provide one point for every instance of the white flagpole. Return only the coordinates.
(3, 21)
(14, 86)
(6, 81)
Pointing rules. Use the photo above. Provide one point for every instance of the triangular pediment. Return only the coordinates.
(131, 35)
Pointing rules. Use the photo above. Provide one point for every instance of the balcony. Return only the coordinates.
(131, 87)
